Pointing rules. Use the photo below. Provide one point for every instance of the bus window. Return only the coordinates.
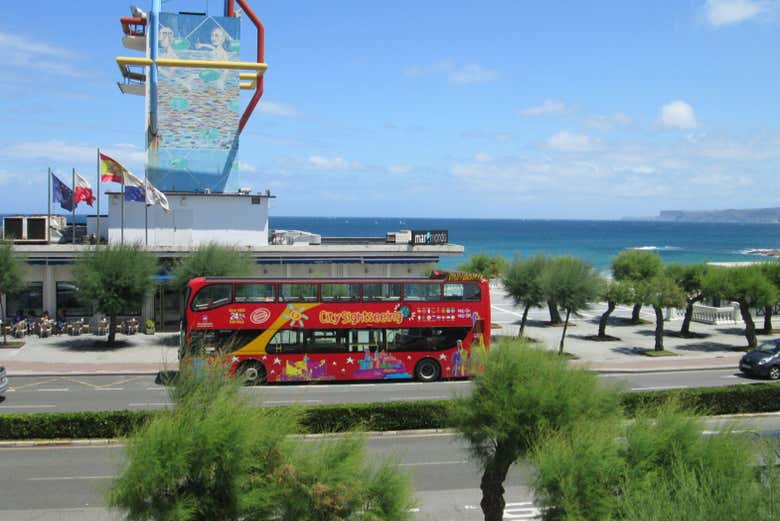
(381, 292)
(254, 293)
(298, 292)
(339, 292)
(424, 338)
(325, 340)
(422, 291)
(461, 291)
(361, 340)
(286, 341)
(212, 296)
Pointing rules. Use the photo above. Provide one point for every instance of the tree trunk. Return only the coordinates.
(659, 328)
(563, 335)
(492, 485)
(685, 330)
(750, 327)
(604, 317)
(635, 313)
(111, 329)
(767, 320)
(523, 321)
(2, 319)
(555, 316)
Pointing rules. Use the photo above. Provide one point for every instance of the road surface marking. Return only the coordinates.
(659, 387)
(453, 462)
(131, 379)
(156, 388)
(80, 382)
(35, 383)
(150, 404)
(108, 389)
(280, 402)
(8, 406)
(63, 478)
(59, 390)
(502, 310)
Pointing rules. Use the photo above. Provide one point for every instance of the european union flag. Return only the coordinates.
(61, 193)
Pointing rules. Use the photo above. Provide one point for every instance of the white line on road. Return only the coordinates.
(659, 387)
(150, 404)
(108, 389)
(68, 478)
(422, 464)
(280, 402)
(8, 406)
(156, 388)
(60, 390)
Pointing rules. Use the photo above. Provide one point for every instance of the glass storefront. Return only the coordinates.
(29, 301)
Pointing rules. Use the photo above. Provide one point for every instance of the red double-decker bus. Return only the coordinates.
(285, 330)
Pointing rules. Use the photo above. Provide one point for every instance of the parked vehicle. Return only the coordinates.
(763, 361)
(3, 383)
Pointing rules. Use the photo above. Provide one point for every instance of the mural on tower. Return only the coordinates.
(196, 147)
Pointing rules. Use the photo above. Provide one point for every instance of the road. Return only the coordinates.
(134, 392)
(70, 483)
(48, 483)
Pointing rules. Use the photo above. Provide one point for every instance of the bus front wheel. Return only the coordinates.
(252, 372)
(427, 370)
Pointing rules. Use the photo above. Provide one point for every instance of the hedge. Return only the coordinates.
(390, 416)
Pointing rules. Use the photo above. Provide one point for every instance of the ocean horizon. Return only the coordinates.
(595, 241)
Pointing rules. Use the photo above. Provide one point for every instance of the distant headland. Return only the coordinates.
(751, 215)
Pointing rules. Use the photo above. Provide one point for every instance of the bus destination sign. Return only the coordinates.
(427, 237)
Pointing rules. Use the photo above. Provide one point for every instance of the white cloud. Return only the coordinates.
(277, 108)
(726, 12)
(609, 121)
(456, 74)
(570, 142)
(55, 150)
(549, 106)
(7, 177)
(24, 52)
(677, 114)
(246, 167)
(400, 169)
(482, 157)
(332, 164)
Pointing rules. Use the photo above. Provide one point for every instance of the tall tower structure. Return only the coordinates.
(191, 78)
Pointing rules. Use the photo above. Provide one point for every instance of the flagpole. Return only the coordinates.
(97, 224)
(48, 213)
(122, 236)
(73, 212)
(146, 209)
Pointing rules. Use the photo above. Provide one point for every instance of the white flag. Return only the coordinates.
(131, 180)
(154, 196)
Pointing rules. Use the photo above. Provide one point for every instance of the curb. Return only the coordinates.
(674, 369)
(13, 373)
(61, 443)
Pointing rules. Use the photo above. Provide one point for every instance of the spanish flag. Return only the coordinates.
(112, 170)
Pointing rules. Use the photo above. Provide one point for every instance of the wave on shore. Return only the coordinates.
(763, 252)
(655, 248)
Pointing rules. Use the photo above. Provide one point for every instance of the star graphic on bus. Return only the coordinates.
(295, 316)
(350, 360)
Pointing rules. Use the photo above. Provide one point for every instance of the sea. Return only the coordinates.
(596, 242)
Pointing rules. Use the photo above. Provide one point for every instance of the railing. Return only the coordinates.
(716, 316)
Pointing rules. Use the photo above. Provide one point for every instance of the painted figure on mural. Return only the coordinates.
(218, 52)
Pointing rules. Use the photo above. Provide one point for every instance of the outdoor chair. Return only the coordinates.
(20, 329)
(45, 328)
(83, 326)
(131, 326)
(74, 328)
(102, 327)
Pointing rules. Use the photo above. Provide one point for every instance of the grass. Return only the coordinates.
(13, 344)
(654, 353)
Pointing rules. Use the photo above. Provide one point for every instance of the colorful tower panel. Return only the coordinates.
(197, 109)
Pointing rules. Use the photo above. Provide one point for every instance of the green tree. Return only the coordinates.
(522, 282)
(521, 394)
(614, 292)
(572, 284)
(748, 286)
(636, 267)
(11, 278)
(662, 292)
(215, 456)
(657, 467)
(116, 278)
(772, 272)
(690, 278)
(212, 260)
(489, 266)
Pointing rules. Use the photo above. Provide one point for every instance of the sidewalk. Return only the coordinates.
(716, 347)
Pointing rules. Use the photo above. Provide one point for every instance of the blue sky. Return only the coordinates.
(582, 110)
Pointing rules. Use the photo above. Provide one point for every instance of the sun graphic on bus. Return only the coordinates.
(295, 316)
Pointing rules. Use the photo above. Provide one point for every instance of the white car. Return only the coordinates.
(3, 383)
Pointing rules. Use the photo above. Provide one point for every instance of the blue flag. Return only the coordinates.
(135, 193)
(61, 193)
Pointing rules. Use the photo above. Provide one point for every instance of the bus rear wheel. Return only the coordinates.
(427, 370)
(252, 372)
